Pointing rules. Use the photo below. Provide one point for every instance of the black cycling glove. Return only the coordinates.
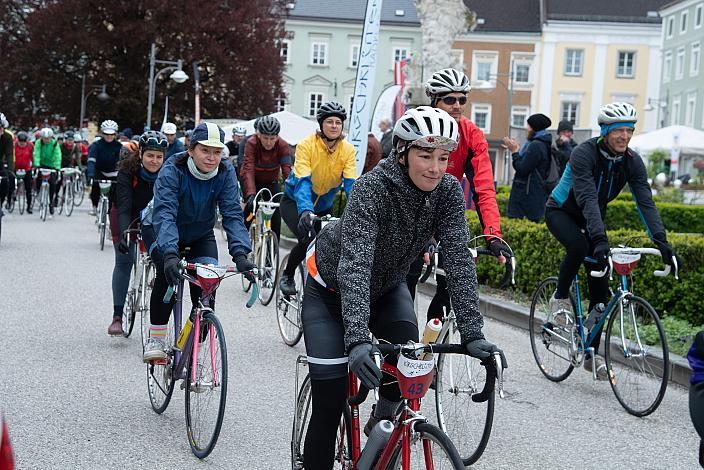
(305, 224)
(601, 255)
(482, 349)
(123, 246)
(499, 248)
(667, 253)
(244, 266)
(172, 270)
(363, 365)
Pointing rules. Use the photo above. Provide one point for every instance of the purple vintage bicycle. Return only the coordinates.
(197, 355)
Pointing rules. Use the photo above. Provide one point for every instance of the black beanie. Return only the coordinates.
(539, 122)
(565, 126)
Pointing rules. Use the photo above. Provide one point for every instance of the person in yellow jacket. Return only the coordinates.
(324, 163)
(47, 154)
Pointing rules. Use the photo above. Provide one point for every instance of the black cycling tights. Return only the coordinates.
(568, 231)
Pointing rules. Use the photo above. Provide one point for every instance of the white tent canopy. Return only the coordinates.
(293, 127)
(691, 141)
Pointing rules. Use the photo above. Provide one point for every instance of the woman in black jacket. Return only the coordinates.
(135, 188)
(528, 194)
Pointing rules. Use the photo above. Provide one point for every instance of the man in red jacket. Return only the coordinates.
(266, 159)
(24, 149)
(447, 90)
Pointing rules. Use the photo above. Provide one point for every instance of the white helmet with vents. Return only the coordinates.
(617, 112)
(428, 128)
(108, 127)
(447, 81)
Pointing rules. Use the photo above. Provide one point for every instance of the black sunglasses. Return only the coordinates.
(450, 100)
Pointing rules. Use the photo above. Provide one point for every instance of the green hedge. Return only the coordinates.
(538, 255)
(622, 214)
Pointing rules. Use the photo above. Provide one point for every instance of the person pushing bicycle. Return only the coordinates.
(357, 270)
(597, 171)
(191, 186)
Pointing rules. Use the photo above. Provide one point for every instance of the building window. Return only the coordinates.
(698, 16)
(689, 109)
(670, 26)
(569, 111)
(675, 111)
(626, 64)
(694, 59)
(667, 67)
(679, 64)
(522, 73)
(354, 55)
(315, 100)
(282, 102)
(484, 66)
(519, 114)
(683, 22)
(319, 53)
(285, 51)
(481, 116)
(573, 61)
(400, 53)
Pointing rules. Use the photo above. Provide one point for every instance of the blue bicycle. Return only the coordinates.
(635, 347)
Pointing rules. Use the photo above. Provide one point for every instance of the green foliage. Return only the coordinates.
(658, 162)
(669, 194)
(538, 255)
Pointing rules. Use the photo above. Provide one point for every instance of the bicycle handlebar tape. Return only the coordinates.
(169, 294)
(378, 438)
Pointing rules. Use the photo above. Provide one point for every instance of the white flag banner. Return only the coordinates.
(364, 83)
(384, 108)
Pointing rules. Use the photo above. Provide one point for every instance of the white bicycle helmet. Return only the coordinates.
(3, 121)
(168, 128)
(447, 81)
(239, 130)
(617, 112)
(108, 127)
(428, 128)
(47, 133)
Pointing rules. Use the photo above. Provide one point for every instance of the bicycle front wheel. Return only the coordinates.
(301, 417)
(103, 222)
(551, 339)
(468, 423)
(68, 201)
(21, 195)
(79, 190)
(637, 356)
(43, 202)
(430, 449)
(269, 259)
(288, 308)
(128, 313)
(206, 387)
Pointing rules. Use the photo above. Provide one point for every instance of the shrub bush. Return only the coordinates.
(538, 255)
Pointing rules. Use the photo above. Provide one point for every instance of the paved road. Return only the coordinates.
(76, 398)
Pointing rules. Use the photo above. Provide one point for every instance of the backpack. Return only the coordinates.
(553, 175)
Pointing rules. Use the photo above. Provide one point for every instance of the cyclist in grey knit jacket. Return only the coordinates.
(357, 270)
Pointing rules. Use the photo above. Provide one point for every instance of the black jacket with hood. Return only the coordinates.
(386, 223)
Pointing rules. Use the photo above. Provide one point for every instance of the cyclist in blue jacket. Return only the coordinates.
(103, 156)
(190, 189)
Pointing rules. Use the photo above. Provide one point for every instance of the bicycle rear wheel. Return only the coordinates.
(466, 422)
(430, 449)
(160, 379)
(301, 417)
(288, 308)
(552, 341)
(205, 398)
(269, 267)
(637, 356)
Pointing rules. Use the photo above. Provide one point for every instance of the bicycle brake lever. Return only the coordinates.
(499, 373)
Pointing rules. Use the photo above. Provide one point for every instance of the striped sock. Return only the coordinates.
(158, 332)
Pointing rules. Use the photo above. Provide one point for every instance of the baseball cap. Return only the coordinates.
(168, 128)
(209, 135)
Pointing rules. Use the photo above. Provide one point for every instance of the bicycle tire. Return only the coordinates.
(69, 200)
(103, 222)
(458, 378)
(144, 300)
(128, 313)
(212, 327)
(554, 366)
(21, 191)
(268, 272)
(60, 198)
(288, 308)
(160, 382)
(625, 357)
(43, 202)
(425, 432)
(79, 190)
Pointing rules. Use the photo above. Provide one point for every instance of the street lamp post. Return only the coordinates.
(486, 85)
(102, 96)
(178, 75)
